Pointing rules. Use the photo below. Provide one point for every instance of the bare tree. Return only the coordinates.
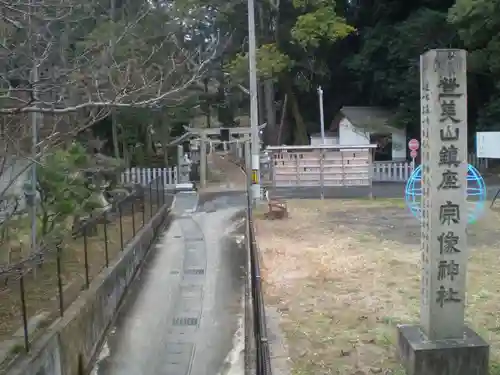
(66, 64)
(68, 43)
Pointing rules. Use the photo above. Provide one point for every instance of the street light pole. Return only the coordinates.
(254, 108)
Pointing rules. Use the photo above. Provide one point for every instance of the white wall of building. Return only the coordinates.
(350, 136)
(317, 141)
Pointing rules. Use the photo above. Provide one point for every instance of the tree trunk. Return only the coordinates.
(282, 120)
(114, 132)
(300, 133)
(165, 154)
(270, 130)
(149, 144)
(165, 139)
(208, 111)
(126, 153)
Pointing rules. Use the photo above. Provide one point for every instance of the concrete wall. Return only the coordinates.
(72, 341)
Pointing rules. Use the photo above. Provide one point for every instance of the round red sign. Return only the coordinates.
(413, 154)
(413, 145)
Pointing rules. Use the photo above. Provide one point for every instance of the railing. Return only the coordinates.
(143, 176)
(480, 163)
(390, 171)
(85, 251)
(257, 311)
(257, 352)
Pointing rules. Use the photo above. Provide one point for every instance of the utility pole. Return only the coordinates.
(34, 149)
(114, 125)
(34, 117)
(254, 106)
(321, 114)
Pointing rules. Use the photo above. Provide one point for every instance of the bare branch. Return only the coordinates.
(149, 63)
(244, 89)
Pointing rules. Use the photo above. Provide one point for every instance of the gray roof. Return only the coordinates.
(369, 118)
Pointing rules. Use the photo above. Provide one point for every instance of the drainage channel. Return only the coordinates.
(181, 337)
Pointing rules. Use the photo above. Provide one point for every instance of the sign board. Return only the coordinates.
(413, 145)
(413, 154)
(255, 177)
(487, 145)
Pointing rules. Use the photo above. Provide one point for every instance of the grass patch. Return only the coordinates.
(344, 273)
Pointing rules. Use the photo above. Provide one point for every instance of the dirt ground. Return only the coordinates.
(41, 286)
(344, 273)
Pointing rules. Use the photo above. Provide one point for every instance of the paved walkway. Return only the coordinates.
(181, 315)
(229, 176)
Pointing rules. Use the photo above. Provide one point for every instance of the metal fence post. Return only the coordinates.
(24, 311)
(133, 216)
(150, 201)
(143, 209)
(59, 280)
(322, 172)
(163, 194)
(86, 257)
(157, 194)
(121, 225)
(106, 251)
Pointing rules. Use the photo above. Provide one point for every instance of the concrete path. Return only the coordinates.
(229, 176)
(184, 313)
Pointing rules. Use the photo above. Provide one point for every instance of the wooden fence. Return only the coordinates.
(309, 166)
(285, 172)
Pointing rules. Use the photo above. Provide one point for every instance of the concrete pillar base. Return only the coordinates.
(469, 356)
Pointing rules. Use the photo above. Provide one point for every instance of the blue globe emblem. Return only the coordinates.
(476, 194)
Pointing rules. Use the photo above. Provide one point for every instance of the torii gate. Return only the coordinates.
(204, 133)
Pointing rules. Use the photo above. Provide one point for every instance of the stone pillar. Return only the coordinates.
(180, 154)
(239, 150)
(183, 166)
(442, 344)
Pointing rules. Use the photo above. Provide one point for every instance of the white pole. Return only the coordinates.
(254, 108)
(321, 114)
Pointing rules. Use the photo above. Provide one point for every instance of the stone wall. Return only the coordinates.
(71, 343)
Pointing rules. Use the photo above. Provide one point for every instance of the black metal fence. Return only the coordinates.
(51, 279)
(259, 346)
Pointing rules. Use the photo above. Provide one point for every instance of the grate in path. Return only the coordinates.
(194, 271)
(185, 321)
